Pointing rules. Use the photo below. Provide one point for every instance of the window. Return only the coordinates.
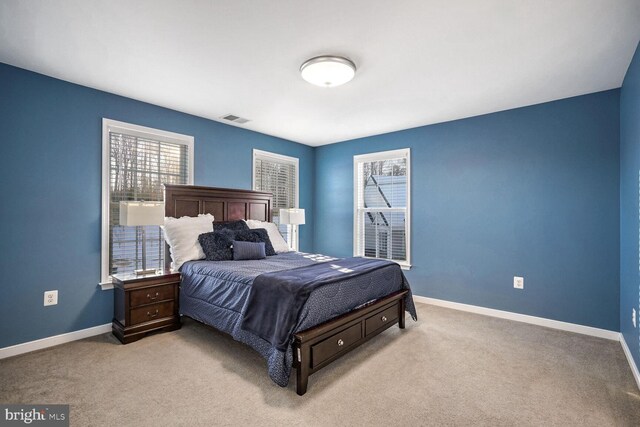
(278, 175)
(382, 205)
(136, 161)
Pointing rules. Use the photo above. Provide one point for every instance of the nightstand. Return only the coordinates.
(143, 304)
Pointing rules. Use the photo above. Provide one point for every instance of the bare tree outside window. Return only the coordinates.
(277, 175)
(138, 168)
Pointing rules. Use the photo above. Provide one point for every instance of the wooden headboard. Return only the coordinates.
(225, 204)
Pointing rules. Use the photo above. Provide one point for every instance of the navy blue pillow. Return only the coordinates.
(237, 225)
(216, 245)
(248, 250)
(253, 235)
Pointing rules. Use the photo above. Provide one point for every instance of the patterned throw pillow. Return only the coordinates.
(216, 245)
(248, 250)
(237, 225)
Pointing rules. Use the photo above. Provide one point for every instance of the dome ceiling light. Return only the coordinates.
(328, 71)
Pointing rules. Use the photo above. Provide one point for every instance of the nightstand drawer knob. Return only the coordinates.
(153, 298)
(383, 318)
(340, 343)
(152, 315)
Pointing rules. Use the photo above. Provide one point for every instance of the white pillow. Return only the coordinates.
(277, 241)
(182, 236)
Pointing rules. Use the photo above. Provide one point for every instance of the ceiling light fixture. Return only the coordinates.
(328, 71)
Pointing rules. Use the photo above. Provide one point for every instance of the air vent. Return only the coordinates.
(235, 119)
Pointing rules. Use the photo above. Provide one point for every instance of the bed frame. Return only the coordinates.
(313, 348)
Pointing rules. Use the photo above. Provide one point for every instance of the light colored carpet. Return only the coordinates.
(450, 368)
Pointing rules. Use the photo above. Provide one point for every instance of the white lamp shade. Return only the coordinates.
(141, 213)
(292, 216)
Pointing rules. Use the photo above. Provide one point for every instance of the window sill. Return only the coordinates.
(403, 265)
(105, 286)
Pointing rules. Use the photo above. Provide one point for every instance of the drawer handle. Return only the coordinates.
(152, 315)
(154, 298)
(383, 318)
(340, 343)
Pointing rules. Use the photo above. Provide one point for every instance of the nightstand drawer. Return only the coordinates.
(381, 319)
(151, 295)
(152, 312)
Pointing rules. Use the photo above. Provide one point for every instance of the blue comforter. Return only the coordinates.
(216, 293)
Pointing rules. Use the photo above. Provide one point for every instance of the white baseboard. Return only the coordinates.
(540, 321)
(27, 347)
(632, 363)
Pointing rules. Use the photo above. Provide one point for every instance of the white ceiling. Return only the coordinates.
(419, 61)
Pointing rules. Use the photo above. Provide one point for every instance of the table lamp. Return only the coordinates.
(139, 214)
(293, 217)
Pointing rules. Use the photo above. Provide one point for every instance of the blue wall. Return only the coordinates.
(50, 215)
(630, 205)
(531, 192)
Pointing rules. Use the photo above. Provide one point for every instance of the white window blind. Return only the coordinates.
(278, 175)
(138, 164)
(381, 214)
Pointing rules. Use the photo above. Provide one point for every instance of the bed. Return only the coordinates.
(335, 319)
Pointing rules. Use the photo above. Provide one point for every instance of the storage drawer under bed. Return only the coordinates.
(335, 344)
(381, 319)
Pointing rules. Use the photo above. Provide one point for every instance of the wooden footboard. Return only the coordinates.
(316, 347)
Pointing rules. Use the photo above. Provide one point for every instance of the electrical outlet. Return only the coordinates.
(633, 317)
(518, 282)
(50, 298)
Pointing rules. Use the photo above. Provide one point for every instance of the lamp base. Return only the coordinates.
(143, 272)
(294, 238)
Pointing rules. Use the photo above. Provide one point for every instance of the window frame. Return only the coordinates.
(378, 156)
(109, 125)
(267, 155)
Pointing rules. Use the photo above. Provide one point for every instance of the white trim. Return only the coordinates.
(525, 318)
(403, 264)
(275, 156)
(383, 155)
(30, 346)
(131, 129)
(105, 286)
(632, 363)
(400, 153)
(282, 158)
